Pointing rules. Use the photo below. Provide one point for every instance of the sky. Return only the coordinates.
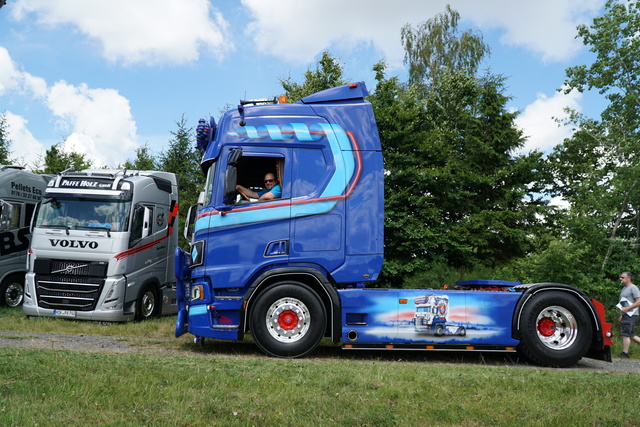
(104, 78)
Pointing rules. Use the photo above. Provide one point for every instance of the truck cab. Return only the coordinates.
(20, 191)
(323, 232)
(103, 244)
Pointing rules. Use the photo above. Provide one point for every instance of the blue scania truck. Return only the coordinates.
(294, 269)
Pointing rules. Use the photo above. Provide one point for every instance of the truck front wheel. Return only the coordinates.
(12, 291)
(148, 304)
(556, 329)
(288, 320)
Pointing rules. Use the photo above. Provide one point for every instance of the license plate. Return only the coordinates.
(64, 313)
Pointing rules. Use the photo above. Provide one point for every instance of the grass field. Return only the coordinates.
(231, 384)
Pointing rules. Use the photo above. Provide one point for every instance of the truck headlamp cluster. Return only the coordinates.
(197, 293)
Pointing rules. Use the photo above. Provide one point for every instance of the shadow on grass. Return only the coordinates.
(327, 350)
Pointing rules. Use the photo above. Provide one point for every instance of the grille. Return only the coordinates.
(69, 285)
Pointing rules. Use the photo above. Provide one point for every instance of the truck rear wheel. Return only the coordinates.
(12, 291)
(148, 304)
(556, 329)
(439, 330)
(288, 320)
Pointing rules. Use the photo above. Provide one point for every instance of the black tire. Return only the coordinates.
(148, 303)
(439, 330)
(288, 320)
(12, 291)
(556, 329)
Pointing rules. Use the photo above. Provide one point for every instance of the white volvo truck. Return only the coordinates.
(103, 245)
(20, 190)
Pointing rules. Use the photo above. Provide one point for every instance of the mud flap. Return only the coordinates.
(182, 325)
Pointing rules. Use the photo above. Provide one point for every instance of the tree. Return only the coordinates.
(328, 74)
(144, 160)
(454, 194)
(56, 160)
(597, 169)
(5, 141)
(436, 47)
(183, 159)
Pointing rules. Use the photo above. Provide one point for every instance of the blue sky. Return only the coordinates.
(109, 77)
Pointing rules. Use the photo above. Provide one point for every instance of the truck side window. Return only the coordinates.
(312, 173)
(251, 171)
(136, 223)
(15, 216)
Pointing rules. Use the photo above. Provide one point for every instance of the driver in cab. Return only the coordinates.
(271, 190)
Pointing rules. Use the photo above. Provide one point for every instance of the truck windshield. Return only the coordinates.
(83, 213)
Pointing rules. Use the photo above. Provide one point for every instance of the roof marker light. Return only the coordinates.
(353, 85)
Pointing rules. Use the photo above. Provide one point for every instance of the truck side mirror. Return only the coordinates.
(190, 222)
(140, 224)
(34, 215)
(230, 181)
(146, 224)
(234, 157)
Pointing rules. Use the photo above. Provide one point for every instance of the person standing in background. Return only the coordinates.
(628, 305)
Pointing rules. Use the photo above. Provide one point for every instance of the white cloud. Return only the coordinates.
(99, 120)
(149, 31)
(95, 122)
(545, 27)
(298, 30)
(12, 79)
(25, 149)
(538, 120)
(560, 203)
(9, 76)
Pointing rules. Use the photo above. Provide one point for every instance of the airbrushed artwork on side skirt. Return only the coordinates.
(428, 316)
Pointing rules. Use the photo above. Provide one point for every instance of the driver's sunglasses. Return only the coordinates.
(268, 180)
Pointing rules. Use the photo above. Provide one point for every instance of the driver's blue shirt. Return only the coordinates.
(276, 191)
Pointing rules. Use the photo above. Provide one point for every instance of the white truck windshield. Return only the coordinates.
(83, 213)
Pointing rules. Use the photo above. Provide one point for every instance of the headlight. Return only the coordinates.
(197, 292)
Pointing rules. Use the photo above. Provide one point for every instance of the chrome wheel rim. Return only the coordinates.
(556, 327)
(13, 295)
(288, 320)
(148, 303)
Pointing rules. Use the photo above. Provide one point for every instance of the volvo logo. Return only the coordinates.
(69, 268)
(80, 244)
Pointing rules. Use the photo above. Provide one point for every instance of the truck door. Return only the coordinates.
(14, 232)
(143, 264)
(244, 233)
(317, 235)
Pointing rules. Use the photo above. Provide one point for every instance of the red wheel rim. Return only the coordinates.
(546, 327)
(288, 320)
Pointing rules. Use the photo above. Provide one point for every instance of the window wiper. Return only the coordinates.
(95, 227)
(66, 227)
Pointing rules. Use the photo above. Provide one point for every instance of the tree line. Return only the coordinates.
(459, 203)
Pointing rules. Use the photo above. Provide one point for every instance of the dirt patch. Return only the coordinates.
(92, 343)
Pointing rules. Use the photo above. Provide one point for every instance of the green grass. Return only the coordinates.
(79, 388)
(231, 384)
(13, 320)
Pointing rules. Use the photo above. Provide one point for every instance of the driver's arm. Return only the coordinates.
(246, 191)
(267, 196)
